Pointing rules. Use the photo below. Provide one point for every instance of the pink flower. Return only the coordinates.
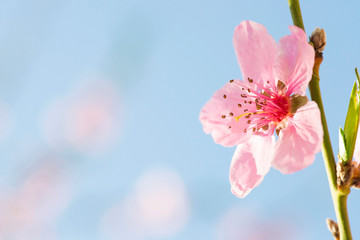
(270, 102)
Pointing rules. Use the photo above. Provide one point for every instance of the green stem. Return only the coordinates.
(294, 6)
(341, 213)
(339, 197)
(328, 155)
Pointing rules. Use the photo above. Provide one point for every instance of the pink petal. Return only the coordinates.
(256, 51)
(250, 163)
(300, 140)
(295, 61)
(225, 102)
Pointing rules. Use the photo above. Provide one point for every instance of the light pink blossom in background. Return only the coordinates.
(30, 210)
(86, 120)
(157, 208)
(269, 101)
(248, 224)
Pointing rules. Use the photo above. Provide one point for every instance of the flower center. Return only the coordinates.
(278, 109)
(268, 107)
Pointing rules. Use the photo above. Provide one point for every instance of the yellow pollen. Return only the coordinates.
(240, 116)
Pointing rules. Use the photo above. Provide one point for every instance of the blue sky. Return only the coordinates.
(163, 60)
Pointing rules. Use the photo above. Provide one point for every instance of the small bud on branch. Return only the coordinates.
(318, 39)
(333, 228)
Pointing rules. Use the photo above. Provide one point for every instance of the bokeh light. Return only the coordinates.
(158, 207)
(248, 223)
(30, 210)
(87, 119)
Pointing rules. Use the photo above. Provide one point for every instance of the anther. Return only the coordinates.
(249, 90)
(224, 96)
(245, 101)
(250, 102)
(248, 116)
(223, 116)
(245, 110)
(231, 80)
(245, 130)
(231, 114)
(249, 121)
(243, 95)
(254, 129)
(229, 127)
(239, 105)
(250, 80)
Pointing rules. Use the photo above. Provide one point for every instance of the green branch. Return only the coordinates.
(339, 197)
(294, 6)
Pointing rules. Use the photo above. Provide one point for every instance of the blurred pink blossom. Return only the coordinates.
(272, 99)
(30, 210)
(157, 207)
(86, 120)
(246, 223)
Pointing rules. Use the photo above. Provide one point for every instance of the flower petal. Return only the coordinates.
(218, 115)
(256, 51)
(250, 163)
(295, 61)
(300, 140)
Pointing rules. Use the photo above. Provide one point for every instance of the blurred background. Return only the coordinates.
(99, 130)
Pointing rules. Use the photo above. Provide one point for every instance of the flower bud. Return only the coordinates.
(333, 228)
(344, 173)
(318, 39)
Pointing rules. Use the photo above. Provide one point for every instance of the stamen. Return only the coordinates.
(270, 104)
(247, 115)
(270, 93)
(240, 116)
